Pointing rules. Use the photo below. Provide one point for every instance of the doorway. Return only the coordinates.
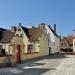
(49, 50)
(18, 54)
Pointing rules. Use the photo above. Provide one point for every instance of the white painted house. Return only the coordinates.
(54, 40)
(74, 40)
(74, 44)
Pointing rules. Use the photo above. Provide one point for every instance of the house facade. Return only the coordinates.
(25, 43)
(29, 43)
(67, 44)
(5, 40)
(74, 44)
(53, 38)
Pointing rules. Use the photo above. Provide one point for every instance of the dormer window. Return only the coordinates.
(62, 44)
(17, 34)
(21, 35)
(19, 30)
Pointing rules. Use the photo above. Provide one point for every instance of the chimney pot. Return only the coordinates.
(19, 24)
(55, 28)
(49, 26)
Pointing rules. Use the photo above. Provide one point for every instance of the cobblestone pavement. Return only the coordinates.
(57, 64)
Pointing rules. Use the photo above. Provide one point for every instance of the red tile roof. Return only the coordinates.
(5, 35)
(69, 39)
(66, 42)
(35, 34)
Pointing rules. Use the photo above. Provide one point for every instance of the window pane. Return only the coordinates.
(30, 48)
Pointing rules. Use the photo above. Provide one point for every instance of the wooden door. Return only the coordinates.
(18, 54)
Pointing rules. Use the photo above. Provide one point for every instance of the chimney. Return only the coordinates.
(19, 24)
(42, 26)
(55, 28)
(13, 29)
(49, 26)
(1, 34)
(60, 37)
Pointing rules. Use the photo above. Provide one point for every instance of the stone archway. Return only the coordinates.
(18, 43)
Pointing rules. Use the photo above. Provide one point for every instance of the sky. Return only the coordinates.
(34, 12)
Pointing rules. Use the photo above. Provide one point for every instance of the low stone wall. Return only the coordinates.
(33, 55)
(7, 61)
(24, 56)
(2, 59)
(7, 58)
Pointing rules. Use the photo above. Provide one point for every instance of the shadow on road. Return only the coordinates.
(52, 56)
(35, 71)
(57, 56)
(31, 62)
(36, 64)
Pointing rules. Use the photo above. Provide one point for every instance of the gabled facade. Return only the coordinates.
(53, 38)
(67, 44)
(29, 43)
(5, 40)
(74, 43)
(26, 43)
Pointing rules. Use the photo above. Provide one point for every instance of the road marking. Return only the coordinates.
(26, 67)
(16, 71)
(29, 67)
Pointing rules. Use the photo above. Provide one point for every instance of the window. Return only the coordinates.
(19, 30)
(38, 46)
(65, 44)
(30, 48)
(17, 34)
(21, 35)
(0, 46)
(62, 44)
(2, 51)
(70, 45)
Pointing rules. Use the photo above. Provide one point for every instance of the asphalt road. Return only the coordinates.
(57, 64)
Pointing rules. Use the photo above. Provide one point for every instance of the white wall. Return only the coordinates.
(25, 39)
(54, 41)
(74, 45)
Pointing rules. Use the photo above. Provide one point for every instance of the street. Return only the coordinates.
(57, 64)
